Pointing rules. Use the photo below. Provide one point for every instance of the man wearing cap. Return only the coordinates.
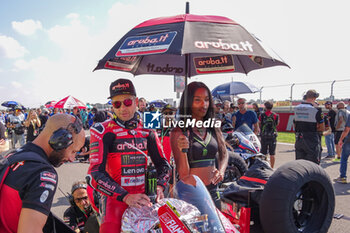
(308, 119)
(330, 137)
(218, 110)
(118, 160)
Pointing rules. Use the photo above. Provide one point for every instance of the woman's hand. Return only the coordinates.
(182, 142)
(217, 177)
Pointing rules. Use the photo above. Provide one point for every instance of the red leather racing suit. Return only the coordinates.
(117, 167)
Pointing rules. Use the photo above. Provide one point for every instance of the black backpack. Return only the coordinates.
(268, 125)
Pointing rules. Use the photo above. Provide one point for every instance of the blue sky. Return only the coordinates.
(48, 49)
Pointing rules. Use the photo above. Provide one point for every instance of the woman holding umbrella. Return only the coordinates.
(206, 156)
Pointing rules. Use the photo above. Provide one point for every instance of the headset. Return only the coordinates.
(75, 187)
(62, 138)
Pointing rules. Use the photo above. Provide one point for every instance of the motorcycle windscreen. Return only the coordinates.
(251, 139)
(193, 191)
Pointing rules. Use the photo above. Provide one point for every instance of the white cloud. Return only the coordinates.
(90, 17)
(10, 47)
(35, 64)
(27, 27)
(72, 16)
(16, 84)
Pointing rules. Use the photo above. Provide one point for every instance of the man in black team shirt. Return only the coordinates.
(29, 187)
(309, 121)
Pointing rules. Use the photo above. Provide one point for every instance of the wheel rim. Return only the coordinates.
(307, 202)
(232, 174)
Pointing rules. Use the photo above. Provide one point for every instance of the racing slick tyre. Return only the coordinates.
(299, 197)
(236, 167)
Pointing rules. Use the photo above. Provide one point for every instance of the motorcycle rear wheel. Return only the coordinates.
(299, 197)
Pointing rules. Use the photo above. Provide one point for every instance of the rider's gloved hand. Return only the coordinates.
(160, 193)
(137, 200)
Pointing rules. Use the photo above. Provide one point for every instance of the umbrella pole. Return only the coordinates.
(186, 76)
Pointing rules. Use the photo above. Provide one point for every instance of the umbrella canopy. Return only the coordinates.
(234, 88)
(69, 102)
(212, 44)
(50, 104)
(158, 103)
(11, 104)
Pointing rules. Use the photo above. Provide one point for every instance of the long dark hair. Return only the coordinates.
(189, 93)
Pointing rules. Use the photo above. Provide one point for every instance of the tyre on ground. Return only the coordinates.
(299, 197)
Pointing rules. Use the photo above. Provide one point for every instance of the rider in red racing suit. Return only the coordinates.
(117, 166)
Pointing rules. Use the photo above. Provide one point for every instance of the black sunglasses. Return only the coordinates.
(85, 198)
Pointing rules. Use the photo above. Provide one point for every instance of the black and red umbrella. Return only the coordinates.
(188, 45)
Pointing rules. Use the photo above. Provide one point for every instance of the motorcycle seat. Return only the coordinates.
(241, 194)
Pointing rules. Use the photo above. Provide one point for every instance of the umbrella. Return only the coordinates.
(188, 45)
(50, 104)
(234, 88)
(69, 102)
(11, 104)
(158, 103)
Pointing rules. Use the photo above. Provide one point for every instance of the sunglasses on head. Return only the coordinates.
(126, 102)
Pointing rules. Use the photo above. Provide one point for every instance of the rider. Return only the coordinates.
(117, 160)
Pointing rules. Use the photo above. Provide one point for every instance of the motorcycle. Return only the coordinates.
(243, 148)
(191, 211)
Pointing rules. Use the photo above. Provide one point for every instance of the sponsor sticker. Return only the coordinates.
(214, 64)
(44, 196)
(94, 144)
(152, 120)
(133, 159)
(126, 145)
(149, 44)
(117, 130)
(167, 69)
(48, 176)
(94, 151)
(47, 186)
(132, 181)
(122, 63)
(134, 170)
(122, 134)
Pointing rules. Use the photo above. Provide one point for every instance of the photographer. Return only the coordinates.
(80, 210)
(16, 123)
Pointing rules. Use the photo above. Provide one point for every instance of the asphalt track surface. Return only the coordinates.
(68, 173)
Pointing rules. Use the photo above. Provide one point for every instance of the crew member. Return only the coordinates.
(117, 160)
(308, 123)
(29, 187)
(80, 210)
